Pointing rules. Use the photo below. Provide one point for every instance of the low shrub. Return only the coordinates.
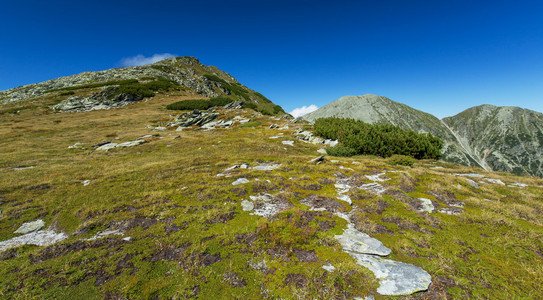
(341, 150)
(382, 140)
(401, 160)
(250, 124)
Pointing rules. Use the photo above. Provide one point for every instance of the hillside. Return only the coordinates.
(493, 138)
(140, 203)
(122, 86)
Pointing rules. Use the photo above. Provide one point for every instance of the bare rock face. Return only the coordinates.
(96, 101)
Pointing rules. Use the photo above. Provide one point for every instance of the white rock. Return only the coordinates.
(86, 182)
(107, 146)
(329, 268)
(322, 151)
(395, 278)
(30, 227)
(377, 177)
(516, 184)
(345, 198)
(491, 180)
(39, 238)
(290, 143)
(106, 233)
(240, 181)
(23, 168)
(427, 205)
(353, 240)
(373, 187)
(247, 205)
(469, 175)
(268, 166)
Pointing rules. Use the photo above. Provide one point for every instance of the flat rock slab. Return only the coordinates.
(30, 227)
(377, 177)
(497, 181)
(39, 238)
(426, 204)
(240, 181)
(267, 205)
(469, 175)
(345, 198)
(290, 143)
(373, 187)
(266, 167)
(516, 184)
(395, 278)
(353, 240)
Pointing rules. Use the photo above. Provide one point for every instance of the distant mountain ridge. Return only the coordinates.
(508, 139)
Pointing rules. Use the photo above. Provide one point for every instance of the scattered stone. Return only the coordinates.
(469, 175)
(76, 145)
(147, 136)
(247, 205)
(373, 187)
(159, 128)
(436, 167)
(355, 241)
(329, 268)
(86, 182)
(23, 168)
(495, 181)
(107, 146)
(275, 137)
(39, 238)
(395, 278)
(195, 118)
(30, 227)
(377, 177)
(266, 166)
(272, 126)
(345, 168)
(322, 151)
(266, 205)
(517, 184)
(342, 188)
(345, 198)
(472, 183)
(451, 210)
(290, 143)
(126, 239)
(240, 181)
(105, 234)
(244, 121)
(426, 204)
(317, 160)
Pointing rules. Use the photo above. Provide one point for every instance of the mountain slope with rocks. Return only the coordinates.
(121, 86)
(226, 203)
(501, 139)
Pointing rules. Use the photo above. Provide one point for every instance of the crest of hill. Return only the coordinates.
(494, 138)
(186, 73)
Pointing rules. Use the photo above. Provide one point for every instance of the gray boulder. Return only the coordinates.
(355, 241)
(30, 227)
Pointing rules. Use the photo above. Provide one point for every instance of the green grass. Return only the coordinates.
(191, 239)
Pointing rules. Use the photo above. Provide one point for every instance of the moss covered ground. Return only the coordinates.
(190, 238)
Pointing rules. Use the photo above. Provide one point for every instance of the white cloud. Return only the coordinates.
(139, 59)
(300, 111)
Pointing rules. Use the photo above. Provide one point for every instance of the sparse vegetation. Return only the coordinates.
(380, 139)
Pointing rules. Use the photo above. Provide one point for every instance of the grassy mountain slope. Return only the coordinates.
(179, 230)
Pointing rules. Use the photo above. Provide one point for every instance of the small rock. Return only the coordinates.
(23, 168)
(451, 210)
(266, 167)
(377, 177)
(373, 187)
(107, 146)
(516, 184)
(86, 182)
(469, 175)
(275, 137)
(329, 268)
(30, 227)
(247, 205)
(290, 143)
(322, 151)
(497, 181)
(160, 128)
(345, 198)
(240, 181)
(126, 238)
(76, 145)
(427, 205)
(317, 160)
(472, 183)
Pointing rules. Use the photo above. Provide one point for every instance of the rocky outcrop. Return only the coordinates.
(96, 101)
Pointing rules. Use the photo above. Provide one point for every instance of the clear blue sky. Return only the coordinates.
(437, 56)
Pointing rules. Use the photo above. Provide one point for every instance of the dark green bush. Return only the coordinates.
(277, 109)
(146, 89)
(214, 78)
(341, 150)
(259, 95)
(190, 105)
(380, 139)
(250, 105)
(67, 93)
(401, 160)
(200, 104)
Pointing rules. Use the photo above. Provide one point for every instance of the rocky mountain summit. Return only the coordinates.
(506, 139)
(121, 86)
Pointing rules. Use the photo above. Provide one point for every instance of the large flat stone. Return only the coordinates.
(30, 227)
(395, 278)
(353, 240)
(39, 238)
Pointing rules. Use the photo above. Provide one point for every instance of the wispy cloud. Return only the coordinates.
(139, 59)
(300, 111)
